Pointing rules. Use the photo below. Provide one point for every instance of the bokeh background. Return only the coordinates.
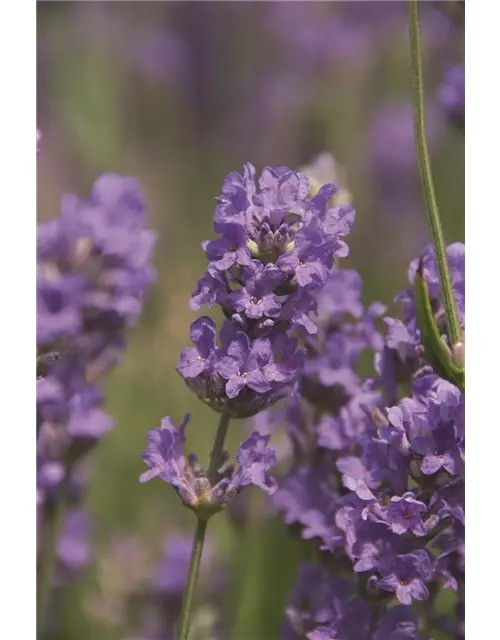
(177, 95)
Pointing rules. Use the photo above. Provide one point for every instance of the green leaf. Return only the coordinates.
(437, 352)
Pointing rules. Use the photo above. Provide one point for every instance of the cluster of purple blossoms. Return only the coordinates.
(93, 270)
(278, 244)
(165, 458)
(402, 356)
(378, 485)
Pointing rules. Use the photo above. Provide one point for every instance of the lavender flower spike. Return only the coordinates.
(280, 237)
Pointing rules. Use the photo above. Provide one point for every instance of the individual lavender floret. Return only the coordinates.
(405, 514)
(452, 95)
(165, 459)
(406, 577)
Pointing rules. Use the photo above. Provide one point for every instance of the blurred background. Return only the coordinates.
(177, 95)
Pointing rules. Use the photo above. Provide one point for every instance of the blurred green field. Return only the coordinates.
(98, 111)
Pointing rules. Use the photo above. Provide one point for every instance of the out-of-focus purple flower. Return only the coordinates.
(398, 623)
(393, 165)
(158, 54)
(73, 547)
(352, 622)
(315, 599)
(165, 458)
(93, 270)
(452, 94)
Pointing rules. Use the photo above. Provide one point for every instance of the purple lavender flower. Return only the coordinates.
(398, 623)
(405, 514)
(440, 450)
(257, 299)
(355, 459)
(165, 459)
(73, 547)
(276, 251)
(406, 577)
(371, 544)
(305, 498)
(316, 599)
(93, 271)
(202, 357)
(244, 363)
(352, 623)
(164, 455)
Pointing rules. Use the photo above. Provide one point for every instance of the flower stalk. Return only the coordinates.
(199, 534)
(454, 331)
(48, 559)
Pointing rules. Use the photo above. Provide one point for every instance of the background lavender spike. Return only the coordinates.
(93, 270)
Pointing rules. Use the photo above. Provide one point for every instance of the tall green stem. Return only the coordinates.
(48, 559)
(454, 332)
(199, 534)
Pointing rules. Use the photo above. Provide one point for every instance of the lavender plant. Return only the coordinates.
(381, 487)
(371, 479)
(93, 271)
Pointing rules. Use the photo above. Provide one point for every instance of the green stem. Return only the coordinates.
(194, 569)
(49, 554)
(199, 534)
(426, 178)
(215, 455)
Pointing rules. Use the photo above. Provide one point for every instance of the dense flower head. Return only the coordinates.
(378, 485)
(93, 270)
(279, 240)
(323, 607)
(165, 459)
(395, 511)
